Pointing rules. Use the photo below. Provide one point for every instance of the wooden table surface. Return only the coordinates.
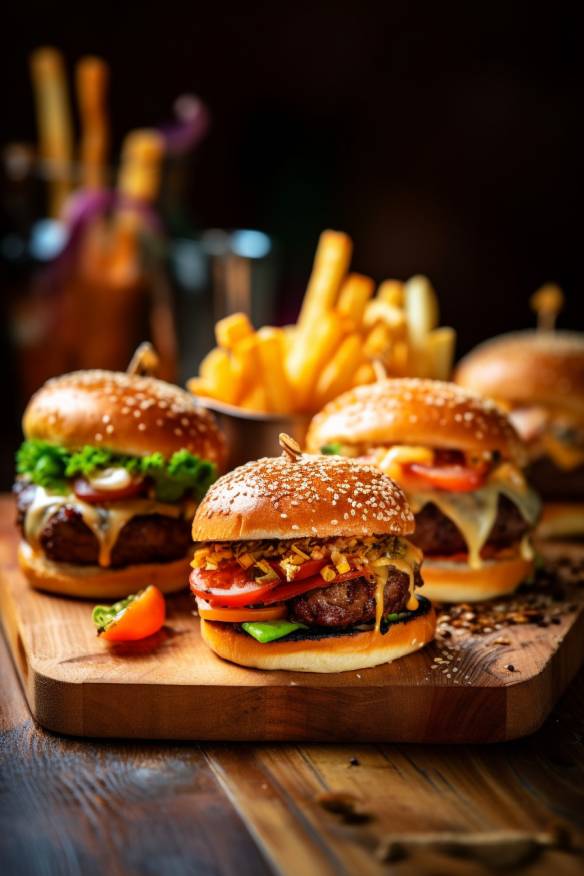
(85, 807)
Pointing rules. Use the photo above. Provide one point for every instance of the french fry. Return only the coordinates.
(330, 266)
(255, 400)
(199, 386)
(290, 337)
(392, 292)
(398, 360)
(354, 295)
(245, 362)
(336, 375)
(440, 345)
(380, 311)
(364, 374)
(231, 329)
(377, 341)
(310, 356)
(216, 371)
(274, 379)
(421, 309)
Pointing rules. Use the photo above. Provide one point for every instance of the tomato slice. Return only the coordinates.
(229, 586)
(84, 491)
(308, 569)
(240, 615)
(283, 592)
(453, 478)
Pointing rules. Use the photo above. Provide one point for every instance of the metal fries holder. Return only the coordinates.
(253, 435)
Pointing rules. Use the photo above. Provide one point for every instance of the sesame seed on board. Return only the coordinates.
(480, 634)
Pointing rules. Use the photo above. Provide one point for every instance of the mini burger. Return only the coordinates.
(458, 459)
(302, 563)
(539, 377)
(109, 475)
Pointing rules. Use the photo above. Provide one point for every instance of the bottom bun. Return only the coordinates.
(457, 582)
(93, 582)
(562, 520)
(318, 651)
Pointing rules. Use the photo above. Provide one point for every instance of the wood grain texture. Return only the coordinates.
(89, 808)
(85, 808)
(172, 687)
(529, 786)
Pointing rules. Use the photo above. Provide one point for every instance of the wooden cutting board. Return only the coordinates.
(172, 687)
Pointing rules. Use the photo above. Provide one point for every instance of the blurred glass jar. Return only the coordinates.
(214, 274)
(82, 291)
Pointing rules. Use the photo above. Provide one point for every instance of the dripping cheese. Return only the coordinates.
(105, 521)
(381, 575)
(474, 514)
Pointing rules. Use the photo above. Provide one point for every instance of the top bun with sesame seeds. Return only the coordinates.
(302, 497)
(411, 411)
(528, 368)
(126, 413)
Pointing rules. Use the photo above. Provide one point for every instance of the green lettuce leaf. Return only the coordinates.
(44, 464)
(51, 466)
(269, 631)
(103, 615)
(331, 449)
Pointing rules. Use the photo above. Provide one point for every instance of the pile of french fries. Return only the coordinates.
(345, 336)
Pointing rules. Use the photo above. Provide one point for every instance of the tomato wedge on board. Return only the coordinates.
(134, 618)
(453, 478)
(283, 592)
(84, 491)
(230, 587)
(240, 615)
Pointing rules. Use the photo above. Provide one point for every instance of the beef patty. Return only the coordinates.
(437, 534)
(66, 538)
(349, 603)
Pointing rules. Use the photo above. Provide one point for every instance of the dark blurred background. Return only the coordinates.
(445, 141)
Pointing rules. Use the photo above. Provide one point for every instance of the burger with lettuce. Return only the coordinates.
(109, 475)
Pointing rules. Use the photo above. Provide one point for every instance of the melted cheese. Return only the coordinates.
(401, 454)
(412, 557)
(475, 513)
(105, 521)
(380, 582)
(408, 569)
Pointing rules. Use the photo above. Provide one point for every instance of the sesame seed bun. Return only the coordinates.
(313, 651)
(431, 413)
(95, 582)
(530, 367)
(457, 582)
(126, 413)
(311, 496)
